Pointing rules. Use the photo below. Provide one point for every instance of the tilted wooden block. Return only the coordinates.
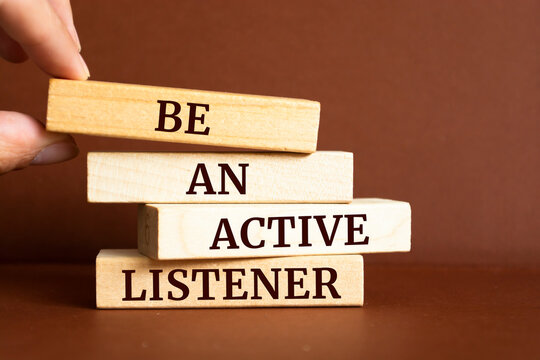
(180, 115)
(200, 231)
(321, 177)
(126, 279)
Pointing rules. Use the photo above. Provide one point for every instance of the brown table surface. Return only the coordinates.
(48, 311)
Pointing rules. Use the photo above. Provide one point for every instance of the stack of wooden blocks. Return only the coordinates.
(223, 229)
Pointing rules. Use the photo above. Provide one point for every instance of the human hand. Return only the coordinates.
(43, 31)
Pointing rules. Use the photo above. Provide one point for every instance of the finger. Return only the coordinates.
(63, 10)
(10, 50)
(24, 141)
(40, 32)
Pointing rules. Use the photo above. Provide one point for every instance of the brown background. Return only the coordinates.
(438, 100)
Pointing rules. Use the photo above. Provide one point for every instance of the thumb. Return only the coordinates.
(24, 141)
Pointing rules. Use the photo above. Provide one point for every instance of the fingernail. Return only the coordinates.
(84, 66)
(75, 36)
(55, 153)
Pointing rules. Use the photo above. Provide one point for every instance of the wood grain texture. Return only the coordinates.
(132, 111)
(321, 177)
(127, 279)
(201, 231)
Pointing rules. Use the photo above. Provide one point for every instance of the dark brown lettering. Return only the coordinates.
(178, 284)
(193, 117)
(229, 237)
(129, 288)
(351, 229)
(229, 284)
(155, 285)
(291, 283)
(163, 116)
(329, 284)
(205, 281)
(201, 168)
(328, 240)
(281, 228)
(258, 274)
(244, 233)
(227, 171)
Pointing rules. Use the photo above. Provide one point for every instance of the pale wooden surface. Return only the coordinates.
(132, 111)
(110, 281)
(321, 177)
(189, 231)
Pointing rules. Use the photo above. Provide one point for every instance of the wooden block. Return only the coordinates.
(199, 231)
(180, 115)
(324, 176)
(126, 279)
